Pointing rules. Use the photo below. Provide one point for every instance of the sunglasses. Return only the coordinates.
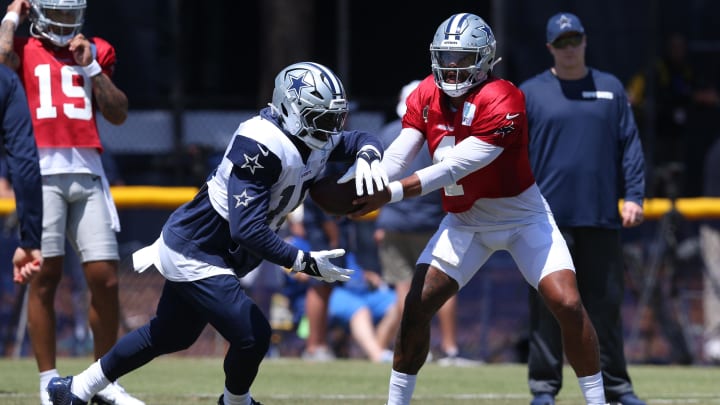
(573, 40)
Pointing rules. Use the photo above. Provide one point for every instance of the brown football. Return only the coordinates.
(333, 198)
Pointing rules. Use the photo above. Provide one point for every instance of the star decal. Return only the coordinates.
(252, 163)
(297, 83)
(564, 21)
(242, 199)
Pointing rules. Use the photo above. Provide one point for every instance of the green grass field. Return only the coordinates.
(178, 380)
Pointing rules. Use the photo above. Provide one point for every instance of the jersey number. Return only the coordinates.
(280, 212)
(445, 146)
(69, 89)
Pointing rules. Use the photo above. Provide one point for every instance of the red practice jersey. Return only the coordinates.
(494, 112)
(59, 94)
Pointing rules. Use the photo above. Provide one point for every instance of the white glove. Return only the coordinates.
(318, 265)
(366, 170)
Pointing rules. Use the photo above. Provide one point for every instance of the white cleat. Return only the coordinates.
(115, 394)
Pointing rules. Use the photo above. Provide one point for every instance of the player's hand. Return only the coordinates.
(370, 203)
(632, 214)
(26, 263)
(317, 265)
(80, 48)
(21, 7)
(368, 171)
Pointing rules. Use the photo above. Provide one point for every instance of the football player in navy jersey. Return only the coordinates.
(231, 225)
(475, 127)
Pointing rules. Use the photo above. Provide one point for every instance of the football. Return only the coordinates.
(334, 198)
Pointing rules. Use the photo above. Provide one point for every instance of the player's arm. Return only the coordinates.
(22, 160)
(17, 12)
(468, 156)
(111, 101)
(402, 151)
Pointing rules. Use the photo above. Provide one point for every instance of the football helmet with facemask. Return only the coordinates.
(462, 53)
(57, 20)
(310, 101)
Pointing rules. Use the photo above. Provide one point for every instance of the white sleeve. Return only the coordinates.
(402, 152)
(470, 155)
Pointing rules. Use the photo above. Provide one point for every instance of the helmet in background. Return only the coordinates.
(311, 103)
(57, 20)
(462, 53)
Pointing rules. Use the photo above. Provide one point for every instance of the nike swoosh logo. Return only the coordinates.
(509, 116)
(263, 150)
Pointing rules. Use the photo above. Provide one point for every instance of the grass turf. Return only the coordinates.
(180, 380)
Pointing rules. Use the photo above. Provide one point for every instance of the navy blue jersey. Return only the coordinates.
(585, 149)
(22, 157)
(233, 221)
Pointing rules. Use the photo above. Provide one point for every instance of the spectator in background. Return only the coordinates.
(323, 232)
(586, 155)
(365, 306)
(67, 77)
(475, 126)
(671, 94)
(23, 172)
(710, 249)
(402, 231)
(682, 101)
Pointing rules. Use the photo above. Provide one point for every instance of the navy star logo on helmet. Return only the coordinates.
(298, 83)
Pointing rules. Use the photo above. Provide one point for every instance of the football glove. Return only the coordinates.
(318, 265)
(366, 170)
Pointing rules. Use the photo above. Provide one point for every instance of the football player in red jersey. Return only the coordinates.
(66, 77)
(476, 129)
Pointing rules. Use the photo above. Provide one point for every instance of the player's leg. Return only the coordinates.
(90, 232)
(447, 317)
(545, 352)
(432, 285)
(242, 323)
(562, 298)
(429, 290)
(175, 327)
(42, 289)
(544, 259)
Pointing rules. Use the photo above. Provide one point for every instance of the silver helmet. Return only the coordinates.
(57, 20)
(310, 100)
(462, 53)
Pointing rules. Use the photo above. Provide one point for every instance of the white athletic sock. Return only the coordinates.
(592, 389)
(401, 388)
(89, 382)
(232, 399)
(45, 378)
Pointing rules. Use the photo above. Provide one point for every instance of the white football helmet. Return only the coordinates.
(57, 20)
(310, 100)
(462, 53)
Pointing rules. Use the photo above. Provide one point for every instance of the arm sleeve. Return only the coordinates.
(633, 161)
(22, 159)
(402, 152)
(468, 156)
(248, 204)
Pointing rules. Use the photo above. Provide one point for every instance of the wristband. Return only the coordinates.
(396, 191)
(93, 69)
(12, 16)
